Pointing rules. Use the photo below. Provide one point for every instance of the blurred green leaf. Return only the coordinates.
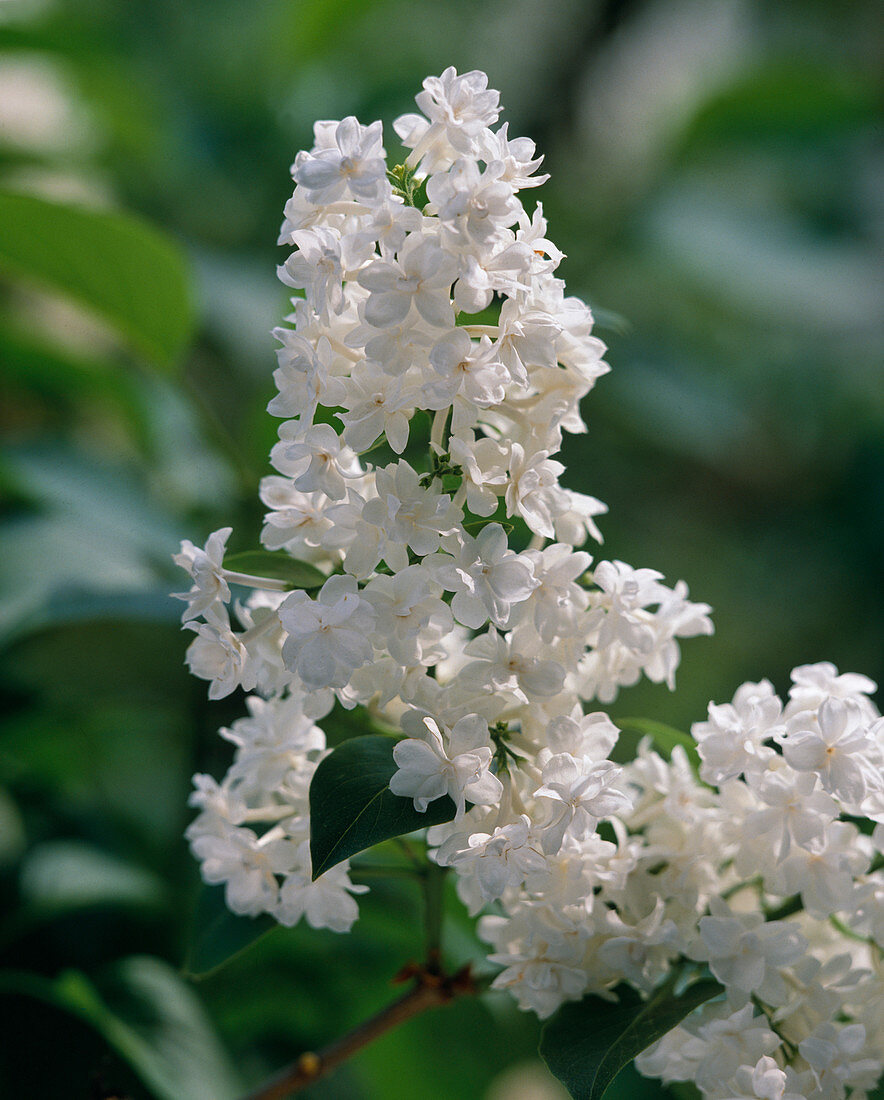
(316, 24)
(12, 830)
(219, 936)
(352, 807)
(150, 1017)
(665, 737)
(83, 605)
(98, 528)
(683, 1090)
(59, 373)
(125, 270)
(588, 1042)
(61, 875)
(277, 565)
(786, 100)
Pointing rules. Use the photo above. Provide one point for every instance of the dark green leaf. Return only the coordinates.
(665, 737)
(277, 565)
(587, 1043)
(125, 270)
(352, 807)
(683, 1090)
(219, 935)
(151, 1018)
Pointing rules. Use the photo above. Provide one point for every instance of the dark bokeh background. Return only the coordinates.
(716, 183)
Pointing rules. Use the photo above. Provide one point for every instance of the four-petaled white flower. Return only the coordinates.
(444, 761)
(356, 165)
(206, 567)
(584, 793)
(327, 637)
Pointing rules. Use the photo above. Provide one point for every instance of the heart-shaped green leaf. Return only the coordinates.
(588, 1042)
(219, 935)
(352, 807)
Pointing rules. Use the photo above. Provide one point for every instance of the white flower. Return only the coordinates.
(409, 515)
(474, 204)
(502, 858)
(511, 663)
(325, 902)
(516, 155)
(583, 788)
(725, 1044)
(768, 1080)
(533, 479)
(483, 464)
(744, 952)
(422, 275)
(733, 740)
(411, 618)
(327, 637)
(458, 108)
(470, 371)
(375, 402)
(577, 521)
(813, 684)
(206, 567)
(796, 811)
(834, 1055)
(303, 375)
(329, 462)
(356, 164)
(486, 577)
(579, 734)
(217, 654)
(246, 865)
(297, 521)
(837, 747)
(429, 768)
(823, 870)
(557, 599)
(316, 268)
(272, 741)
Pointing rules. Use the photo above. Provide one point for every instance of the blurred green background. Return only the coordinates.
(717, 185)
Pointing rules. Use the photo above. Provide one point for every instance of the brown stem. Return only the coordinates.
(431, 989)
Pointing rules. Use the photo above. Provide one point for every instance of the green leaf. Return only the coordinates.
(588, 1042)
(62, 875)
(58, 374)
(277, 565)
(219, 936)
(121, 268)
(151, 1018)
(352, 807)
(475, 526)
(665, 737)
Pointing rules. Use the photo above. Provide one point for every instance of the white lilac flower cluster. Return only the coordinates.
(756, 867)
(428, 322)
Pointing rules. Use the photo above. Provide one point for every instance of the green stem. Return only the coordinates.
(434, 906)
(767, 1012)
(405, 847)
